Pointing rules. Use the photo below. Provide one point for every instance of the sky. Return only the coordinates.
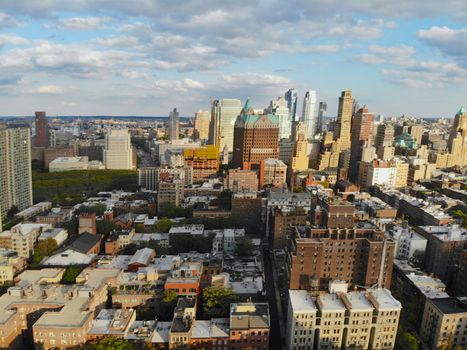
(145, 57)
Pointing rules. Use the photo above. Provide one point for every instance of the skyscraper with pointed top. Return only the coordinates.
(457, 143)
(344, 120)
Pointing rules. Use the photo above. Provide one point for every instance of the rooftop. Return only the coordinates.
(451, 305)
(301, 300)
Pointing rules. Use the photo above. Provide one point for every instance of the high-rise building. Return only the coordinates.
(362, 129)
(279, 108)
(204, 161)
(255, 138)
(344, 119)
(323, 106)
(118, 152)
(457, 143)
(41, 139)
(202, 121)
(238, 180)
(291, 98)
(309, 112)
(300, 159)
(15, 169)
(224, 113)
(273, 172)
(384, 135)
(174, 125)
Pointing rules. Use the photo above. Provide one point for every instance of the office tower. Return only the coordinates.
(202, 121)
(224, 113)
(255, 138)
(118, 153)
(299, 154)
(15, 169)
(457, 143)
(323, 106)
(174, 125)
(291, 98)
(41, 139)
(344, 120)
(279, 108)
(362, 129)
(309, 112)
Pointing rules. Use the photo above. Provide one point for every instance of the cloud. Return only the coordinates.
(49, 90)
(8, 21)
(81, 23)
(452, 42)
(131, 74)
(12, 39)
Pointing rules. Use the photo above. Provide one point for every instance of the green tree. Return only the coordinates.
(71, 226)
(244, 246)
(407, 341)
(70, 274)
(462, 216)
(216, 301)
(105, 227)
(12, 212)
(110, 343)
(98, 209)
(163, 225)
(43, 249)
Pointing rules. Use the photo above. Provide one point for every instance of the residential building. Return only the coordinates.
(457, 143)
(173, 125)
(358, 256)
(202, 121)
(407, 242)
(444, 323)
(377, 172)
(42, 137)
(299, 160)
(273, 172)
(344, 120)
(204, 162)
(118, 152)
(171, 192)
(87, 223)
(238, 180)
(15, 169)
(249, 326)
(22, 238)
(362, 133)
(342, 320)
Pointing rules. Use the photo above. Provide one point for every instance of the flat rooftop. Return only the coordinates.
(301, 301)
(451, 305)
(331, 303)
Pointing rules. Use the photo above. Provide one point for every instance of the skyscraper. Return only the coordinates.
(291, 98)
(344, 120)
(362, 129)
(41, 139)
(174, 127)
(202, 121)
(223, 117)
(118, 153)
(323, 106)
(279, 108)
(457, 143)
(309, 112)
(15, 169)
(255, 138)
(299, 155)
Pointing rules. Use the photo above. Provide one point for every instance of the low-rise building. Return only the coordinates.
(68, 164)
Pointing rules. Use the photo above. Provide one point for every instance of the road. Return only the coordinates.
(276, 334)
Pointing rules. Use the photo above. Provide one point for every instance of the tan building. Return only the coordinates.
(118, 152)
(344, 120)
(457, 143)
(402, 173)
(273, 172)
(10, 266)
(202, 121)
(444, 324)
(300, 155)
(238, 180)
(341, 319)
(22, 238)
(87, 223)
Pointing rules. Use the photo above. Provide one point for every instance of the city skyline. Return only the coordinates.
(85, 59)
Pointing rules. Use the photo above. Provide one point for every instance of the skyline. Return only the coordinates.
(85, 59)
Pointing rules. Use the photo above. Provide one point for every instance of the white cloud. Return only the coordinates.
(131, 74)
(12, 39)
(82, 23)
(452, 42)
(8, 21)
(49, 89)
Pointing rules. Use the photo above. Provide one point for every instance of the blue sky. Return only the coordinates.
(91, 57)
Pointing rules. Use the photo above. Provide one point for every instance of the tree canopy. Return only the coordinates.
(216, 301)
(43, 249)
(407, 341)
(244, 246)
(110, 343)
(70, 274)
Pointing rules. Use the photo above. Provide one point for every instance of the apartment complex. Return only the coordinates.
(238, 180)
(15, 169)
(204, 161)
(342, 320)
(202, 121)
(22, 238)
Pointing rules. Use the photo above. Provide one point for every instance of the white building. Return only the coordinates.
(280, 109)
(23, 237)
(225, 113)
(57, 234)
(68, 164)
(349, 320)
(407, 242)
(118, 153)
(309, 112)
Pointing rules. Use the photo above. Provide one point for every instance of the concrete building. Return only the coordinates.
(255, 138)
(299, 160)
(118, 152)
(22, 238)
(407, 242)
(52, 153)
(273, 172)
(344, 120)
(202, 121)
(204, 162)
(249, 326)
(309, 113)
(42, 137)
(171, 192)
(68, 164)
(10, 265)
(87, 223)
(280, 109)
(444, 323)
(291, 96)
(238, 180)
(377, 172)
(15, 169)
(173, 129)
(362, 134)
(457, 143)
(348, 320)
(224, 112)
